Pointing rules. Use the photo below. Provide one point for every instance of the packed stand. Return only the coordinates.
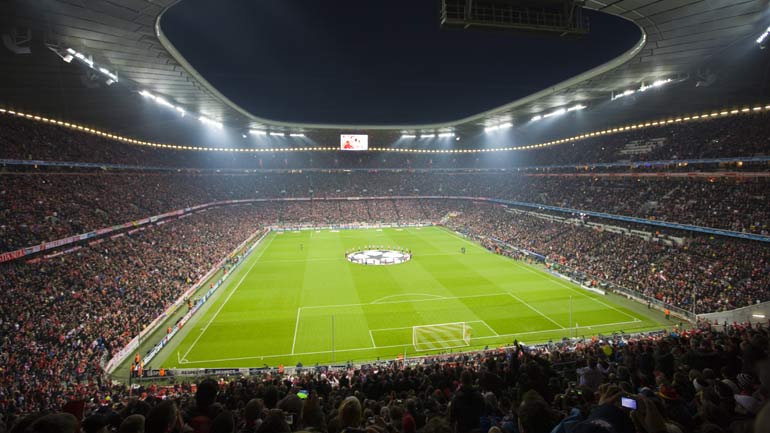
(46, 207)
(59, 316)
(702, 380)
(702, 275)
(95, 299)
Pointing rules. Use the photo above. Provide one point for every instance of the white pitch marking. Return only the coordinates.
(296, 327)
(432, 324)
(527, 268)
(407, 294)
(490, 328)
(448, 298)
(374, 345)
(402, 345)
(203, 331)
(563, 284)
(535, 309)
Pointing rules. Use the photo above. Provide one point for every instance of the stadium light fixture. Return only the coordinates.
(112, 77)
(88, 60)
(296, 135)
(558, 112)
(277, 134)
(493, 128)
(210, 122)
(257, 132)
(446, 134)
(408, 136)
(623, 94)
(642, 88)
(763, 37)
(163, 101)
(427, 135)
(577, 107)
(656, 83)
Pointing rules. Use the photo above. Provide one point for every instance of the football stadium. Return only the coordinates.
(487, 216)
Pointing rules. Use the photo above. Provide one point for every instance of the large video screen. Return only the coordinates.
(354, 142)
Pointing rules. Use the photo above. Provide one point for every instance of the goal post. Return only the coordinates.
(441, 336)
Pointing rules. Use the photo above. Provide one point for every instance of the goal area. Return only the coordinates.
(441, 336)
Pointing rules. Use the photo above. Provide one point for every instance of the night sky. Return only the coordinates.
(374, 62)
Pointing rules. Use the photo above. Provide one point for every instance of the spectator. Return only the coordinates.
(467, 406)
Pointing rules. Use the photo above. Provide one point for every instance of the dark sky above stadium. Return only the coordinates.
(373, 61)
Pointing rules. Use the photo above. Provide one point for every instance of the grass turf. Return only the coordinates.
(279, 305)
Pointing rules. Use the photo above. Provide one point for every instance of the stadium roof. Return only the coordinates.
(124, 37)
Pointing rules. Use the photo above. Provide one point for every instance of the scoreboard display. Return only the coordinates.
(354, 142)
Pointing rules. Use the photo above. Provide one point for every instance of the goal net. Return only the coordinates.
(441, 336)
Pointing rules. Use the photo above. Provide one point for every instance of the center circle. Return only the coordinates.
(378, 256)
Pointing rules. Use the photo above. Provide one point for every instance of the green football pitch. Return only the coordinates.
(296, 298)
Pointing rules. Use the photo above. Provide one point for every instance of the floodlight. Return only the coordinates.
(162, 101)
(205, 120)
(763, 37)
(558, 112)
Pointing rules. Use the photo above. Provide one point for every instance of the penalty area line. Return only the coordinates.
(401, 346)
(296, 327)
(535, 310)
(558, 281)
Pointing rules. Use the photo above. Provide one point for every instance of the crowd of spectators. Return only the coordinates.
(705, 380)
(63, 315)
(717, 274)
(59, 316)
(720, 137)
(732, 136)
(46, 207)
